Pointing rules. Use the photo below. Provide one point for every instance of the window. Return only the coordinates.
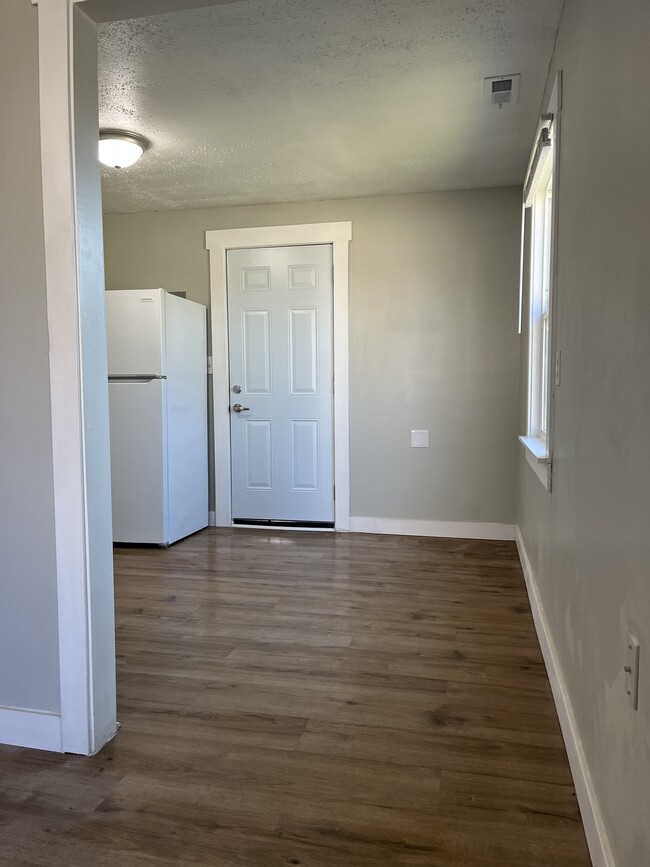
(540, 306)
(539, 267)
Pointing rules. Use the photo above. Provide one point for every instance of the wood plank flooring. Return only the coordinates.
(312, 699)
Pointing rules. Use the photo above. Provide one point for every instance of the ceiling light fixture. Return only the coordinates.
(119, 149)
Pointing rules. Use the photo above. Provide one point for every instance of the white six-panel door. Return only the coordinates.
(280, 337)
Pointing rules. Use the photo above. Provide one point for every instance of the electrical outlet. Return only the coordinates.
(420, 439)
(632, 671)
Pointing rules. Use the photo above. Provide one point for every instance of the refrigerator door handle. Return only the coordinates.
(136, 378)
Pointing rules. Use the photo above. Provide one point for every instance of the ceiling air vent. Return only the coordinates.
(502, 90)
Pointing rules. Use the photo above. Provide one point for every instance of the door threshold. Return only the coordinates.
(300, 526)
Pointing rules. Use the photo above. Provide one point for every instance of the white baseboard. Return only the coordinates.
(597, 841)
(35, 729)
(445, 529)
(212, 519)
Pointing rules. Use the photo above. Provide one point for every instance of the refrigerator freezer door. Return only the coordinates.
(135, 327)
(139, 461)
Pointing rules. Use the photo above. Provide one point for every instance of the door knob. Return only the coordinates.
(239, 408)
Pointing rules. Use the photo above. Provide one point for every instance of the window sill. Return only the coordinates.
(538, 458)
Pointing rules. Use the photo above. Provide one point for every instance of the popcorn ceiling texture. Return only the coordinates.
(264, 101)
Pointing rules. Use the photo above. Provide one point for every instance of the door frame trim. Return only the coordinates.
(218, 242)
(81, 493)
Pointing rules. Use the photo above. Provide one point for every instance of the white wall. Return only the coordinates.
(588, 540)
(29, 676)
(433, 336)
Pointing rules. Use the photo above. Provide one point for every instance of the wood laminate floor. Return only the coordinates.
(312, 699)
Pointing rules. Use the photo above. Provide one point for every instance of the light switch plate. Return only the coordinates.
(419, 439)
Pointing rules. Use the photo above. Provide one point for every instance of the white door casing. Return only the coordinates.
(280, 336)
(218, 242)
(78, 390)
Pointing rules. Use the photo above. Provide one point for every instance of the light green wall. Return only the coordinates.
(433, 336)
(588, 540)
(29, 673)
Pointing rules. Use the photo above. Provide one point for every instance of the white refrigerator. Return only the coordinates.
(157, 366)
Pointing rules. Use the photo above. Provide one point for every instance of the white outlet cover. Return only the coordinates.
(419, 439)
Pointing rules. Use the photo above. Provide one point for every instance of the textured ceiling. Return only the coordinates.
(288, 100)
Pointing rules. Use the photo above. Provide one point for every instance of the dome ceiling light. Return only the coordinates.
(119, 149)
